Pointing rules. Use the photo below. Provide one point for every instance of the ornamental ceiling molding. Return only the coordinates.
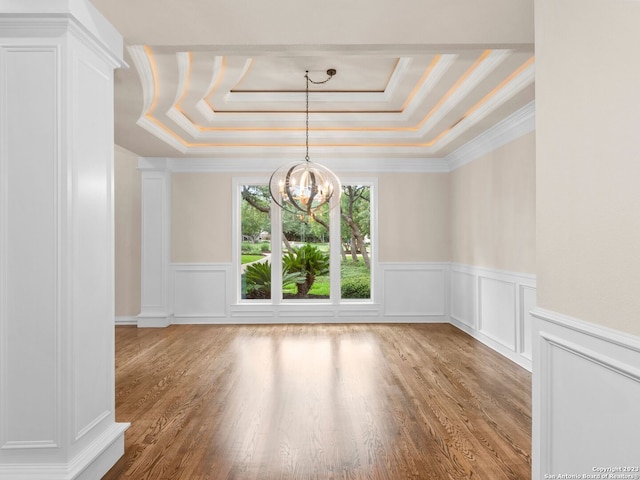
(354, 134)
(511, 128)
(422, 90)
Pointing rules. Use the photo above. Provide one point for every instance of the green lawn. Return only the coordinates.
(321, 287)
(352, 270)
(250, 248)
(250, 258)
(348, 271)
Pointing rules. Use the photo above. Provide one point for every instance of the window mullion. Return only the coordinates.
(276, 254)
(334, 250)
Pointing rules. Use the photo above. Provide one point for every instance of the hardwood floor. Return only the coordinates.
(319, 402)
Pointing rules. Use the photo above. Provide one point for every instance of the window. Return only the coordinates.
(283, 257)
(255, 241)
(355, 233)
(306, 256)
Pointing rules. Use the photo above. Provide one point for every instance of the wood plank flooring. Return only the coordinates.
(319, 402)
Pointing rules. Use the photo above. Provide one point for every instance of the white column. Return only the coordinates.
(156, 309)
(57, 401)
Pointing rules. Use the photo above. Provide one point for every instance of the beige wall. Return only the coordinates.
(413, 217)
(127, 188)
(201, 217)
(481, 214)
(493, 209)
(588, 160)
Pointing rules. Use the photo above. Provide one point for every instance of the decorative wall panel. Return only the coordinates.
(493, 306)
(586, 392)
(92, 252)
(200, 292)
(28, 254)
(497, 310)
(416, 291)
(463, 297)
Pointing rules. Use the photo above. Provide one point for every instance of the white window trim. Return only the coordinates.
(276, 244)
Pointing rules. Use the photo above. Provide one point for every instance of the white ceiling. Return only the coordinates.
(195, 89)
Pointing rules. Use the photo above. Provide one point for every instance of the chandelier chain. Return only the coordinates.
(330, 73)
(306, 157)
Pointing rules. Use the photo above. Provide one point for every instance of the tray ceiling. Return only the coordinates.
(249, 101)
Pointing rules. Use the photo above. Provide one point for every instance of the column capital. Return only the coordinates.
(52, 18)
(154, 164)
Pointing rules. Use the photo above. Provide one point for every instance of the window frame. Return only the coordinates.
(276, 247)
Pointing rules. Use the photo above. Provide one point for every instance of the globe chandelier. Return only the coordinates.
(304, 187)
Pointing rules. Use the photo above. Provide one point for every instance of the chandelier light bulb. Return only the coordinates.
(304, 187)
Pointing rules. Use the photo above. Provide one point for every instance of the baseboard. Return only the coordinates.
(90, 464)
(244, 318)
(154, 321)
(126, 320)
(586, 392)
(414, 319)
(494, 345)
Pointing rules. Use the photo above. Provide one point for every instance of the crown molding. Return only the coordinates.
(514, 126)
(163, 134)
(268, 165)
(202, 106)
(143, 66)
(511, 128)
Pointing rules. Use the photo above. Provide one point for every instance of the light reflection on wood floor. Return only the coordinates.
(319, 402)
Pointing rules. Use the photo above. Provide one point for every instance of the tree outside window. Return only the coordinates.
(306, 248)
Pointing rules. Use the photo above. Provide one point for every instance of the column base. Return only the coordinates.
(91, 463)
(154, 321)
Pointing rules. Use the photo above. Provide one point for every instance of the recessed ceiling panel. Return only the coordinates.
(204, 103)
(286, 74)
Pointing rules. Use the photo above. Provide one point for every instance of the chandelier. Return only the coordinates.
(303, 188)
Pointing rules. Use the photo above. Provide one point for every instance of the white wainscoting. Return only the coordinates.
(205, 293)
(415, 292)
(493, 306)
(586, 393)
(200, 292)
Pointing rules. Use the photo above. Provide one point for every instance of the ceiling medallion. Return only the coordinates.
(303, 188)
